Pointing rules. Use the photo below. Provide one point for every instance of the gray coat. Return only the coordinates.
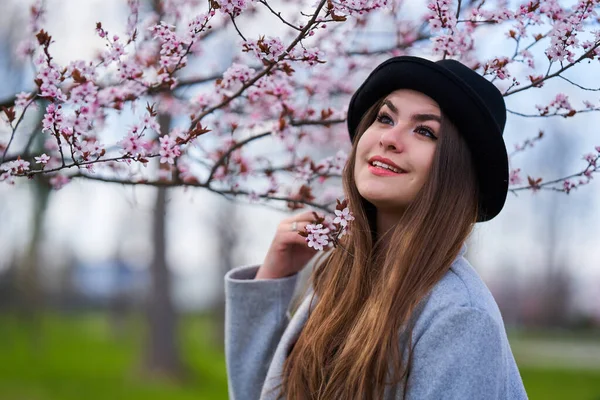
(459, 341)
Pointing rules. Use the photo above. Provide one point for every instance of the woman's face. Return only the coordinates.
(405, 132)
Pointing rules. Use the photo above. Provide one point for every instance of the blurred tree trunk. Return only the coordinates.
(29, 295)
(162, 356)
(226, 223)
(29, 286)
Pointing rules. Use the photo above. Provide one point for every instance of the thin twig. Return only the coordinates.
(278, 14)
(556, 114)
(542, 185)
(579, 86)
(236, 28)
(14, 129)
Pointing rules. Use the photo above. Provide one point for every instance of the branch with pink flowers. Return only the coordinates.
(288, 92)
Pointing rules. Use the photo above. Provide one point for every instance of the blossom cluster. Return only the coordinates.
(564, 33)
(497, 67)
(357, 7)
(169, 150)
(325, 231)
(560, 102)
(232, 7)
(265, 48)
(49, 78)
(449, 40)
(173, 48)
(12, 168)
(235, 76)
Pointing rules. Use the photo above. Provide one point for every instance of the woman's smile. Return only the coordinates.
(380, 171)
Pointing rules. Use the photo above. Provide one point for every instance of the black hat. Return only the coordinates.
(469, 100)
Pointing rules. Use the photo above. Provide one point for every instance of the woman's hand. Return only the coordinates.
(289, 252)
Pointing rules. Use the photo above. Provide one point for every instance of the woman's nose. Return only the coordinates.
(393, 139)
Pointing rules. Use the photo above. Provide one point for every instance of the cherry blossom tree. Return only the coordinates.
(289, 90)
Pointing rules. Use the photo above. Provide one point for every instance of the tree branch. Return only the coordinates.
(264, 72)
(231, 150)
(557, 73)
(165, 183)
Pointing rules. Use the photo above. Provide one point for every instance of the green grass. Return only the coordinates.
(561, 384)
(79, 358)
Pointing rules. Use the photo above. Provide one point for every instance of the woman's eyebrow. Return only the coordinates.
(414, 117)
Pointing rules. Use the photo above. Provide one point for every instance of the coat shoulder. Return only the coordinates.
(460, 287)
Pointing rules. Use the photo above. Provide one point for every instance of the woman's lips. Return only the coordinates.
(382, 171)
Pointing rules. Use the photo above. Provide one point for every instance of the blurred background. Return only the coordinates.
(116, 292)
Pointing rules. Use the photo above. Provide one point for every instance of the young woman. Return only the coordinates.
(397, 313)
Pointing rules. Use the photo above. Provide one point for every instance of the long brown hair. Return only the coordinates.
(357, 340)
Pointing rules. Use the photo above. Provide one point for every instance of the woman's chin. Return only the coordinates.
(383, 200)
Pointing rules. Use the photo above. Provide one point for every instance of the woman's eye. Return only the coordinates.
(426, 131)
(384, 118)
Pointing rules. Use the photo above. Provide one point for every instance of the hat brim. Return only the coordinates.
(460, 103)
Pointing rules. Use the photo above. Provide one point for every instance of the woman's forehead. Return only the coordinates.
(413, 98)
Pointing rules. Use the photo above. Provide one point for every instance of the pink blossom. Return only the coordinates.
(270, 48)
(115, 52)
(342, 217)
(50, 79)
(234, 7)
(87, 149)
(515, 178)
(568, 186)
(236, 73)
(59, 181)
(304, 173)
(43, 159)
(128, 69)
(22, 99)
(185, 172)
(592, 159)
(101, 32)
(561, 101)
(150, 122)
(358, 7)
(86, 69)
(310, 56)
(12, 168)
(169, 150)
(317, 236)
(497, 67)
(199, 23)
(6, 176)
(132, 144)
(52, 117)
